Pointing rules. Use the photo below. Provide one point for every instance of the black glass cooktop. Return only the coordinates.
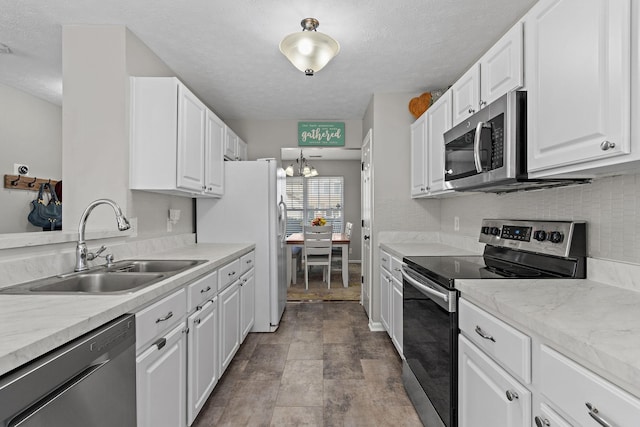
(446, 269)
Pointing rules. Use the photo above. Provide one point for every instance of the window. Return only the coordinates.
(308, 198)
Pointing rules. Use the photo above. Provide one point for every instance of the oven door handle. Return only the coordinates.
(476, 147)
(420, 286)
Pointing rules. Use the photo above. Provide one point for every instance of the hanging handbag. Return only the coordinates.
(47, 215)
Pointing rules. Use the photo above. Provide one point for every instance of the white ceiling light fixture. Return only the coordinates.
(309, 51)
(304, 168)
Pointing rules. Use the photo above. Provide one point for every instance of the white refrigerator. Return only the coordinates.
(253, 209)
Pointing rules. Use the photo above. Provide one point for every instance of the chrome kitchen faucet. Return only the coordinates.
(82, 254)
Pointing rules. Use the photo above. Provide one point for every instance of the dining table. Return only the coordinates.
(340, 240)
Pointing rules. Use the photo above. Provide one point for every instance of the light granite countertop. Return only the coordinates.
(595, 324)
(31, 325)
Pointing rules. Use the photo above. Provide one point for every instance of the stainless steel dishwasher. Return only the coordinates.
(89, 381)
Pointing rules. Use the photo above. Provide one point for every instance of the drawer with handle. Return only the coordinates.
(202, 290)
(247, 262)
(586, 397)
(228, 274)
(385, 260)
(508, 346)
(159, 317)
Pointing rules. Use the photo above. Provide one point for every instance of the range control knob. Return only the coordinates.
(556, 237)
(540, 235)
(494, 231)
(485, 230)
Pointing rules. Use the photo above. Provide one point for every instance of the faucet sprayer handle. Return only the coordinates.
(92, 255)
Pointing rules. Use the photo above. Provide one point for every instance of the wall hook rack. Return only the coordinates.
(19, 182)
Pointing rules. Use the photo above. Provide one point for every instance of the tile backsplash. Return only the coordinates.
(609, 205)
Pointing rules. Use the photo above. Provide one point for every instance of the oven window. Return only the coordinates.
(459, 161)
(430, 349)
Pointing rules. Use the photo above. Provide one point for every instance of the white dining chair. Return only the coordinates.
(317, 251)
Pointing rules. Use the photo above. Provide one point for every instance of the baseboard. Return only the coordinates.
(376, 327)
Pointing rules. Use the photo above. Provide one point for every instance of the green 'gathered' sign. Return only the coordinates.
(320, 134)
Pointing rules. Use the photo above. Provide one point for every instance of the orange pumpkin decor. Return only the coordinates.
(418, 105)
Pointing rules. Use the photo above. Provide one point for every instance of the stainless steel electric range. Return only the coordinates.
(514, 249)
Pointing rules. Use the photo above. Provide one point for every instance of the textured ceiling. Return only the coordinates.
(226, 51)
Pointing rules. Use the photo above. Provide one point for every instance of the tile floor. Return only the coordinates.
(323, 367)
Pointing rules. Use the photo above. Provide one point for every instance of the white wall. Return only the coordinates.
(97, 63)
(609, 205)
(30, 133)
(394, 209)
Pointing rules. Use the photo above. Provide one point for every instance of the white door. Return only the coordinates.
(213, 155)
(229, 324)
(419, 157)
(161, 379)
(191, 140)
(247, 301)
(466, 94)
(487, 395)
(202, 357)
(438, 122)
(396, 314)
(578, 101)
(385, 295)
(502, 66)
(367, 220)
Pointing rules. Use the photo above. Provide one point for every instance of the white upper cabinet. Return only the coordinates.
(427, 148)
(173, 140)
(578, 66)
(438, 122)
(214, 146)
(502, 66)
(499, 71)
(191, 140)
(234, 147)
(466, 94)
(418, 153)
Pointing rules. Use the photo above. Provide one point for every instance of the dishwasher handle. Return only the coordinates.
(42, 403)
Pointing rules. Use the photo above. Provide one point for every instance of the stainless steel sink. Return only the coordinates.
(102, 282)
(122, 277)
(154, 266)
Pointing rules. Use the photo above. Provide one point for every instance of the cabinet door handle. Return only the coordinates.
(607, 145)
(483, 103)
(593, 412)
(471, 111)
(167, 317)
(512, 395)
(160, 343)
(542, 422)
(232, 274)
(483, 334)
(197, 321)
(249, 261)
(207, 289)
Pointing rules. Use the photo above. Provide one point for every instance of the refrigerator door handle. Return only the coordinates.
(283, 220)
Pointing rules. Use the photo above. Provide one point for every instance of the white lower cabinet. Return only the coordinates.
(583, 395)
(396, 314)
(186, 340)
(495, 359)
(229, 300)
(247, 303)
(385, 298)
(391, 298)
(161, 378)
(487, 395)
(202, 350)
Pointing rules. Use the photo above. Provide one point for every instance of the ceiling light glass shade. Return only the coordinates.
(309, 51)
(289, 170)
(313, 172)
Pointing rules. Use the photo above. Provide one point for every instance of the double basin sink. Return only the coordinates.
(120, 278)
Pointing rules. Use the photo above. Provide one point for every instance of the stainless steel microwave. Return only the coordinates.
(488, 151)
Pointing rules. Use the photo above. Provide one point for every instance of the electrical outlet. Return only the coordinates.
(20, 169)
(456, 223)
(350, 250)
